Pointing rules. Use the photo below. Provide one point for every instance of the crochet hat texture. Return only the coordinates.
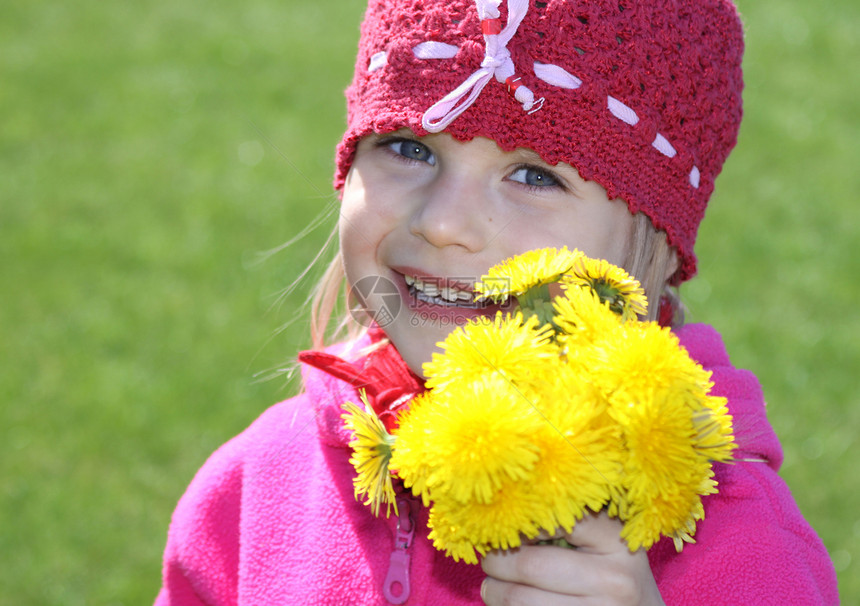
(643, 97)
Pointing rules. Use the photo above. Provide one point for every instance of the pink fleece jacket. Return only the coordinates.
(271, 518)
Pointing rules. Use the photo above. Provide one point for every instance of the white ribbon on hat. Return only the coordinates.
(497, 62)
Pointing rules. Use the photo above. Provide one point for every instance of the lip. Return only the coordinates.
(456, 313)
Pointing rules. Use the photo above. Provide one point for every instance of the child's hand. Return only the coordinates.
(600, 570)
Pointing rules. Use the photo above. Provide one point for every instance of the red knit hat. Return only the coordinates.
(641, 97)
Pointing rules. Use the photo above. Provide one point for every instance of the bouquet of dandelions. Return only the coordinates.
(534, 418)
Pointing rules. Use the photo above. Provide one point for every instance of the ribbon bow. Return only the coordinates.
(497, 62)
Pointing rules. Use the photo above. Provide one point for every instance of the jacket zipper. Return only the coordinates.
(396, 587)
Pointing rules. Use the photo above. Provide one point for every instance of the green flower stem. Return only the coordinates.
(537, 301)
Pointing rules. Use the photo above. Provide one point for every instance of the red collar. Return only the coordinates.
(382, 373)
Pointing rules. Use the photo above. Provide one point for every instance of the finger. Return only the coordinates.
(598, 533)
(623, 576)
(495, 593)
(545, 536)
(555, 569)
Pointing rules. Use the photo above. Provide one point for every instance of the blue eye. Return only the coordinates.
(413, 150)
(534, 177)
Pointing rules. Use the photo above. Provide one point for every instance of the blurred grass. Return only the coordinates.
(149, 153)
(780, 271)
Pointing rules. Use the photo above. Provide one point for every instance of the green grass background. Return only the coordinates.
(150, 152)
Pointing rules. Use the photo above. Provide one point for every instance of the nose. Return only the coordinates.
(454, 211)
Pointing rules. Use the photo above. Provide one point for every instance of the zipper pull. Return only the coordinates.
(396, 588)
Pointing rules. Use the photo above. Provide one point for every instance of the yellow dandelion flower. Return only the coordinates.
(665, 475)
(466, 441)
(672, 515)
(574, 458)
(714, 436)
(371, 453)
(504, 345)
(521, 273)
(644, 356)
(582, 318)
(447, 536)
(672, 429)
(581, 455)
(573, 476)
(499, 524)
(411, 458)
(560, 489)
(613, 285)
(533, 419)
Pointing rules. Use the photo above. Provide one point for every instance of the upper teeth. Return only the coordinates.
(434, 290)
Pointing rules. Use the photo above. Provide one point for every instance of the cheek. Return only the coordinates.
(366, 223)
(619, 231)
(348, 228)
(605, 231)
(603, 234)
(355, 225)
(367, 205)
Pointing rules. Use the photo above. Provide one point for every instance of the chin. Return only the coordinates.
(417, 349)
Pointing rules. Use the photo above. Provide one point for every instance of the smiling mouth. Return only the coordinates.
(433, 292)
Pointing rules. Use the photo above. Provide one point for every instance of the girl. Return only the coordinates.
(477, 131)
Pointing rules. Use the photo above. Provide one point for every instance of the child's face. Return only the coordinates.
(442, 212)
